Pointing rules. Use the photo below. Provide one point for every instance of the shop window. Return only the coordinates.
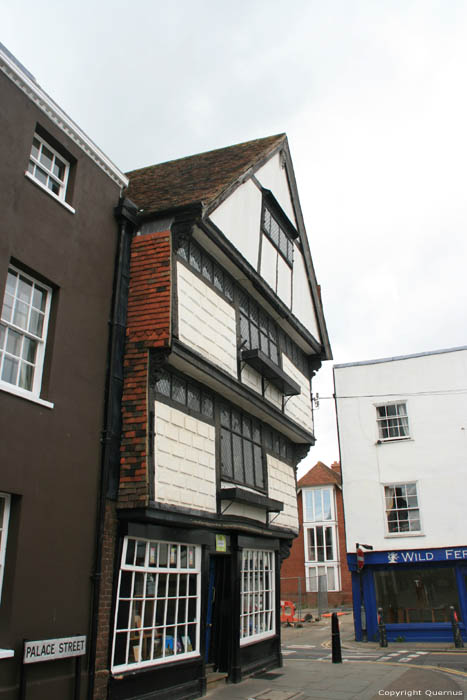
(157, 615)
(48, 168)
(23, 333)
(257, 595)
(417, 595)
(241, 453)
(393, 421)
(5, 500)
(402, 511)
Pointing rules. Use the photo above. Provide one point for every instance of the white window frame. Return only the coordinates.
(308, 528)
(35, 163)
(312, 571)
(383, 422)
(309, 517)
(4, 522)
(257, 595)
(136, 633)
(402, 533)
(38, 364)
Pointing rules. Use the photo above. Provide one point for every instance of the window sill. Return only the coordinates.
(10, 389)
(388, 441)
(398, 535)
(266, 367)
(253, 499)
(46, 189)
(6, 653)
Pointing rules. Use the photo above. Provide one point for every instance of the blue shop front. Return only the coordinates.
(415, 588)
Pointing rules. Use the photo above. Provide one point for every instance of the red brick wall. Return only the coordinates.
(148, 326)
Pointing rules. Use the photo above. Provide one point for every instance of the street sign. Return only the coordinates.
(50, 649)
(360, 559)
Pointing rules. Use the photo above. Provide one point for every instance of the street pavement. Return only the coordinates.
(367, 671)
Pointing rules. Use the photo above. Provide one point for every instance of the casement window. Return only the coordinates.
(277, 444)
(276, 255)
(241, 451)
(181, 391)
(277, 235)
(257, 595)
(5, 500)
(157, 616)
(257, 330)
(48, 168)
(208, 268)
(23, 332)
(319, 504)
(321, 543)
(402, 510)
(393, 422)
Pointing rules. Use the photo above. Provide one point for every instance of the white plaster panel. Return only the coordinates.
(185, 464)
(433, 457)
(302, 302)
(298, 408)
(239, 219)
(273, 395)
(282, 487)
(268, 269)
(205, 321)
(284, 281)
(251, 378)
(244, 510)
(273, 177)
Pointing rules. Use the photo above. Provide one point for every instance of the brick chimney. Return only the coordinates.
(336, 467)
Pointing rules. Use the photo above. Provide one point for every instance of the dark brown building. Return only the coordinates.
(58, 246)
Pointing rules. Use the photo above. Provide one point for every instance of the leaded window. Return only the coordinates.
(23, 332)
(277, 235)
(257, 329)
(257, 595)
(206, 266)
(241, 453)
(157, 615)
(402, 511)
(186, 393)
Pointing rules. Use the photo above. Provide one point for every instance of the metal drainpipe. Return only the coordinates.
(125, 214)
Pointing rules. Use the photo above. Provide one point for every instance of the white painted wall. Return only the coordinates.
(435, 456)
(302, 302)
(206, 322)
(298, 408)
(273, 176)
(239, 218)
(282, 487)
(185, 471)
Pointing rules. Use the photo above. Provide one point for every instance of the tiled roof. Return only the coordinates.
(196, 179)
(319, 475)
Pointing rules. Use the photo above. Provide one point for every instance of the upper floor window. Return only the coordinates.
(319, 505)
(402, 511)
(185, 393)
(5, 499)
(23, 332)
(241, 453)
(393, 422)
(276, 234)
(48, 168)
(258, 331)
(208, 268)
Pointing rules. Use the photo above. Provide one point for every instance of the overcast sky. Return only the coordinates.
(372, 96)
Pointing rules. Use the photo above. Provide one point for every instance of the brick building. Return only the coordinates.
(319, 549)
(225, 331)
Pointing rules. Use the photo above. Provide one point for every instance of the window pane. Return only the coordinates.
(248, 458)
(207, 407)
(318, 504)
(46, 157)
(259, 476)
(59, 169)
(20, 317)
(41, 176)
(13, 343)
(226, 454)
(193, 398)
(207, 268)
(326, 504)
(26, 376)
(178, 390)
(36, 322)
(237, 457)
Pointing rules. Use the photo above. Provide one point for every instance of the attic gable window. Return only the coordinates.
(275, 232)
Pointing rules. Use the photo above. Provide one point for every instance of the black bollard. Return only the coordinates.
(458, 643)
(383, 639)
(336, 640)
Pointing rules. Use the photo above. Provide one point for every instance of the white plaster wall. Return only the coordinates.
(239, 219)
(302, 302)
(435, 456)
(268, 267)
(205, 321)
(251, 378)
(244, 510)
(185, 471)
(284, 281)
(273, 177)
(281, 481)
(298, 408)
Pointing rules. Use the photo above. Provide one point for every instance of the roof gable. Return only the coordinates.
(197, 179)
(319, 475)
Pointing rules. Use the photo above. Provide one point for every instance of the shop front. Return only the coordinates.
(416, 590)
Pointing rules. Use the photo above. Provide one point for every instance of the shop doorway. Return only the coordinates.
(219, 615)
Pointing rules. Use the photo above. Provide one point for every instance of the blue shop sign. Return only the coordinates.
(411, 556)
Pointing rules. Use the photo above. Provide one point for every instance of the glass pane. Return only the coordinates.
(248, 459)
(2, 336)
(126, 582)
(331, 579)
(123, 615)
(13, 343)
(35, 148)
(228, 288)
(24, 290)
(207, 408)
(178, 390)
(36, 322)
(8, 302)
(26, 376)
(329, 544)
(218, 278)
(38, 298)
(163, 554)
(237, 458)
(195, 257)
(318, 505)
(225, 416)
(245, 331)
(59, 169)
(52, 185)
(193, 398)
(130, 552)
(236, 422)
(259, 476)
(226, 454)
(46, 157)
(140, 554)
(20, 316)
(207, 268)
(326, 504)
(163, 384)
(41, 176)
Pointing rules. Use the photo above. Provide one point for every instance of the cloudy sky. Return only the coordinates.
(371, 94)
